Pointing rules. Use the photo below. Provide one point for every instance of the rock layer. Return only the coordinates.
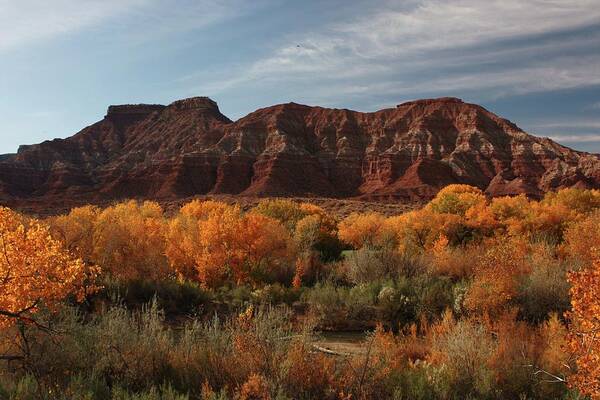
(189, 148)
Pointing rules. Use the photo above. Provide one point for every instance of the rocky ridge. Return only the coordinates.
(189, 148)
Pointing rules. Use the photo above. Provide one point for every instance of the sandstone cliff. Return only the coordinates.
(189, 147)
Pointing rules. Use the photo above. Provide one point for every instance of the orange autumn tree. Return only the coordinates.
(241, 248)
(35, 269)
(497, 273)
(545, 220)
(182, 235)
(418, 230)
(369, 229)
(508, 212)
(584, 331)
(581, 201)
(581, 239)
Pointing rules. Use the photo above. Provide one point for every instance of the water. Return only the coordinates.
(343, 343)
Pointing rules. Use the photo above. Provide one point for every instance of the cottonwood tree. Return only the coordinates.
(129, 241)
(584, 331)
(182, 235)
(35, 271)
(367, 229)
(76, 230)
(241, 247)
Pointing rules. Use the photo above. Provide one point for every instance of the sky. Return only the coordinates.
(535, 62)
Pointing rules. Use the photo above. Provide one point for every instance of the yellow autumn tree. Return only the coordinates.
(309, 230)
(368, 229)
(316, 240)
(182, 235)
(76, 230)
(35, 269)
(579, 200)
(584, 330)
(456, 199)
(509, 211)
(129, 241)
(554, 359)
(287, 212)
(544, 220)
(327, 222)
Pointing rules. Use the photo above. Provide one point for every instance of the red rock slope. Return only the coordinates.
(189, 147)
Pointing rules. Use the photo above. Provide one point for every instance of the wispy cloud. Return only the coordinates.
(591, 138)
(28, 21)
(594, 106)
(570, 130)
(437, 24)
(433, 46)
(567, 123)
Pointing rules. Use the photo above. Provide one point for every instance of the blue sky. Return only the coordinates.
(535, 62)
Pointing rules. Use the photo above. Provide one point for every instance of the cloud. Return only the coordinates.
(591, 138)
(578, 130)
(594, 106)
(438, 24)
(517, 79)
(573, 124)
(430, 46)
(25, 22)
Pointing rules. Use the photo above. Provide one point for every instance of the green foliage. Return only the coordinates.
(368, 265)
(88, 389)
(275, 294)
(544, 291)
(123, 354)
(413, 384)
(174, 297)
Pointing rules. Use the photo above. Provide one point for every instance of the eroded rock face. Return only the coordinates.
(189, 147)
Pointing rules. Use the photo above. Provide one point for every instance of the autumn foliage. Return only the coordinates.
(465, 297)
(584, 335)
(35, 270)
(241, 248)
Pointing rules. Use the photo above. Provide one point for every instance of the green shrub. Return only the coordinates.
(369, 265)
(467, 348)
(545, 290)
(275, 294)
(174, 297)
(413, 384)
(126, 354)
